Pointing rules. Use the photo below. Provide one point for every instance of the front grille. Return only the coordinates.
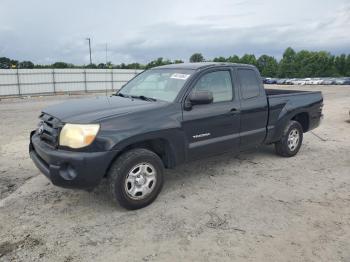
(49, 128)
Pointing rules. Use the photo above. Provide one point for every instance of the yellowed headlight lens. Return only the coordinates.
(77, 136)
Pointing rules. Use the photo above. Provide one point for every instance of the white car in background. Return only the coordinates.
(315, 81)
(328, 81)
(290, 81)
(307, 81)
(299, 82)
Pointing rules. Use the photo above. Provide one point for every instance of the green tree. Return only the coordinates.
(91, 66)
(14, 63)
(109, 65)
(42, 66)
(314, 64)
(219, 59)
(196, 57)
(60, 65)
(340, 64)
(26, 64)
(267, 66)
(158, 62)
(101, 66)
(134, 66)
(233, 59)
(5, 63)
(286, 67)
(322, 64)
(348, 65)
(178, 61)
(303, 63)
(248, 59)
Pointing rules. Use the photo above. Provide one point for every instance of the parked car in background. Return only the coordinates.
(346, 81)
(269, 80)
(281, 81)
(339, 81)
(289, 81)
(315, 81)
(299, 82)
(328, 81)
(308, 81)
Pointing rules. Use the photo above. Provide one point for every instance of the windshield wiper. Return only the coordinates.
(122, 95)
(146, 98)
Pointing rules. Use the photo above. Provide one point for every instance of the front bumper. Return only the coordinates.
(69, 169)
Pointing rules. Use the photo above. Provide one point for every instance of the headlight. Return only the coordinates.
(77, 136)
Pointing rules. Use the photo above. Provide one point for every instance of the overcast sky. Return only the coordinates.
(45, 31)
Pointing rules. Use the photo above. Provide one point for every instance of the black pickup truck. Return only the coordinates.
(163, 117)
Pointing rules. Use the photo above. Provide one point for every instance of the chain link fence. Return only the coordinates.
(18, 82)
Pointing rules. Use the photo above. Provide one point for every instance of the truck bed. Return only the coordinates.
(284, 103)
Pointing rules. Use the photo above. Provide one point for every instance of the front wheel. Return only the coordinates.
(136, 178)
(291, 140)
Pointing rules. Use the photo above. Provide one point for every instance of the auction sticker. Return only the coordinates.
(180, 76)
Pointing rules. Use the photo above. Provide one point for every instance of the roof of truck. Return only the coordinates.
(200, 65)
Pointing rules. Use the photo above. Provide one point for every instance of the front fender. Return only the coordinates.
(173, 138)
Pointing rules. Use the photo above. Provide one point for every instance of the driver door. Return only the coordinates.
(213, 128)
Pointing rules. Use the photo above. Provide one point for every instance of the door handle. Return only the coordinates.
(233, 111)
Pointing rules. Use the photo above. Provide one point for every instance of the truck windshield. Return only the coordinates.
(157, 84)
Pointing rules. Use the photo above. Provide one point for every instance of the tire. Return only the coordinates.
(291, 140)
(136, 178)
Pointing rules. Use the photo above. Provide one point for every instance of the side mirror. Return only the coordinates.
(198, 98)
(201, 97)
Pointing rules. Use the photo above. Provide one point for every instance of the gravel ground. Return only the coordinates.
(252, 207)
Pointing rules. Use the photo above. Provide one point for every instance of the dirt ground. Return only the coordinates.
(252, 207)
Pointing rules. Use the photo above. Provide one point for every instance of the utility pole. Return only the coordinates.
(106, 70)
(89, 49)
(106, 55)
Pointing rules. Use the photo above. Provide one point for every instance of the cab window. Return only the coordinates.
(219, 83)
(250, 86)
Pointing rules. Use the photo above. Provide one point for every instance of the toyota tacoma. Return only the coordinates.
(163, 117)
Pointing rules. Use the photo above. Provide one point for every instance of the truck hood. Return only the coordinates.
(91, 110)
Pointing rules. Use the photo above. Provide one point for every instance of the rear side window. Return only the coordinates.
(250, 86)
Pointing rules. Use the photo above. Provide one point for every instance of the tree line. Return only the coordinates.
(292, 64)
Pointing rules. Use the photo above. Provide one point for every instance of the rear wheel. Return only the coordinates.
(291, 140)
(136, 178)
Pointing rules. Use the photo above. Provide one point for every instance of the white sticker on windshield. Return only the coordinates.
(180, 76)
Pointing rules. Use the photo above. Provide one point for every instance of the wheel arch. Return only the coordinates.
(303, 119)
(164, 148)
(161, 146)
(274, 134)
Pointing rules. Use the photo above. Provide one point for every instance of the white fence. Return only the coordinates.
(17, 82)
